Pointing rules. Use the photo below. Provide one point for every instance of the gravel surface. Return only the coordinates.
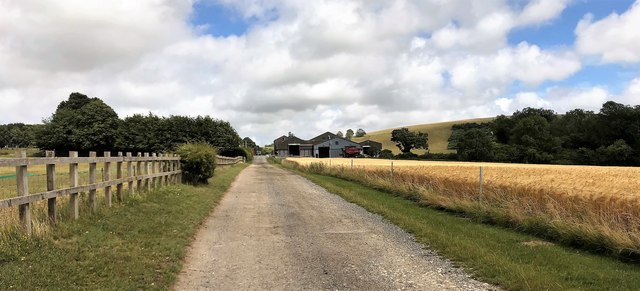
(276, 230)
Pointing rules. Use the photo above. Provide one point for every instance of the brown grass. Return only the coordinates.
(439, 134)
(594, 207)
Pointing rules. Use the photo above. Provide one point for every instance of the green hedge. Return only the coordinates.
(198, 162)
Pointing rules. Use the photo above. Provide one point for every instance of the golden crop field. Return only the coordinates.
(597, 207)
(571, 180)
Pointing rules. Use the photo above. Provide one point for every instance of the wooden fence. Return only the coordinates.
(139, 173)
(223, 161)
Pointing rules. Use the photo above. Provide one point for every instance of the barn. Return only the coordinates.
(326, 145)
(292, 146)
(334, 148)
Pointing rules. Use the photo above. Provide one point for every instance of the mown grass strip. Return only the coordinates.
(138, 245)
(495, 255)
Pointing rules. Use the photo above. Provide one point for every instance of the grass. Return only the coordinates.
(594, 208)
(11, 153)
(495, 255)
(439, 134)
(137, 245)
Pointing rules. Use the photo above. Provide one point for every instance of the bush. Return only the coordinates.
(198, 162)
(406, 156)
(385, 154)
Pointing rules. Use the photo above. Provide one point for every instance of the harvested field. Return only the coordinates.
(593, 207)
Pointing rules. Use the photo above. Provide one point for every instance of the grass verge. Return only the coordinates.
(137, 245)
(495, 255)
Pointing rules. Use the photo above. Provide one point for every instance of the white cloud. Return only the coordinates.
(631, 94)
(615, 39)
(302, 66)
(488, 75)
(540, 11)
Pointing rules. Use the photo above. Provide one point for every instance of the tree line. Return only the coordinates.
(88, 124)
(535, 135)
(350, 134)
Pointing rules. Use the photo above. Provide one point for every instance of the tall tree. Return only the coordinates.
(407, 140)
(340, 134)
(475, 145)
(349, 134)
(248, 142)
(80, 123)
(139, 133)
(360, 132)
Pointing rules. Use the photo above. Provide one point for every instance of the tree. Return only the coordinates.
(18, 135)
(475, 145)
(349, 134)
(407, 140)
(248, 142)
(139, 133)
(80, 123)
(360, 132)
(340, 134)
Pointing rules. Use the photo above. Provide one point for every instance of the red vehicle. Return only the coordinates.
(351, 152)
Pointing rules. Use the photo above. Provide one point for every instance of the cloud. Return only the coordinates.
(301, 66)
(614, 39)
(631, 94)
(489, 75)
(541, 11)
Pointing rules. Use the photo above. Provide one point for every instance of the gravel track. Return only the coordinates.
(276, 230)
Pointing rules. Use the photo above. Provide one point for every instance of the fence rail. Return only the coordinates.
(220, 160)
(139, 173)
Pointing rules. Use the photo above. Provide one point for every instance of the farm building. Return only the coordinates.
(326, 145)
(292, 146)
(371, 148)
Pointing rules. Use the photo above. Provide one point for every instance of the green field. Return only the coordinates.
(137, 245)
(439, 134)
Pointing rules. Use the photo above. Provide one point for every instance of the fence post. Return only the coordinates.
(92, 180)
(139, 173)
(146, 172)
(51, 185)
(481, 178)
(391, 169)
(351, 164)
(73, 182)
(24, 210)
(160, 170)
(154, 186)
(167, 168)
(106, 178)
(179, 168)
(119, 177)
(130, 173)
(174, 177)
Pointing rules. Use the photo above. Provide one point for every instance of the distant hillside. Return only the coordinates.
(439, 134)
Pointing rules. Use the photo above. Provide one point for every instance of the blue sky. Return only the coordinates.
(218, 20)
(268, 66)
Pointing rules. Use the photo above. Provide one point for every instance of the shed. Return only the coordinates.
(371, 148)
(334, 147)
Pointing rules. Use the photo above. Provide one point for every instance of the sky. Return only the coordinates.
(276, 66)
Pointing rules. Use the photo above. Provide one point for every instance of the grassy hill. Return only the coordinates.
(439, 134)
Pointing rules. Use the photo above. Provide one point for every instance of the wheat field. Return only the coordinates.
(591, 181)
(590, 206)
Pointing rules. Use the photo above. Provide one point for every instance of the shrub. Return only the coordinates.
(386, 154)
(406, 156)
(198, 162)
